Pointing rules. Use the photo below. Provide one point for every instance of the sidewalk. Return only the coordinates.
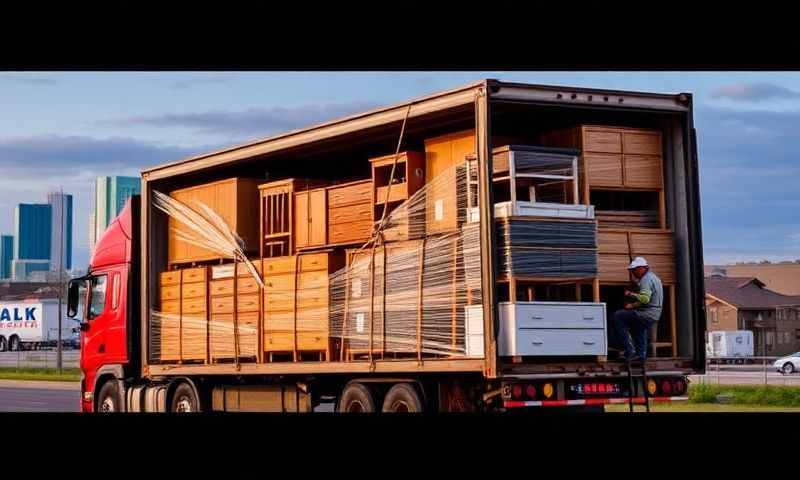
(40, 384)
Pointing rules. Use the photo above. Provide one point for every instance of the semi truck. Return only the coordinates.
(31, 325)
(626, 180)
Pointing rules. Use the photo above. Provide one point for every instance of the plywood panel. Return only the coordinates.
(642, 142)
(602, 140)
(643, 171)
(647, 243)
(612, 242)
(613, 268)
(663, 266)
(603, 170)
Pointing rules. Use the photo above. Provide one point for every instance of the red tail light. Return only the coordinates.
(666, 387)
(530, 391)
(516, 391)
(679, 386)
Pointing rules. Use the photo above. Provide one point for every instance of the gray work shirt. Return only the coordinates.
(651, 284)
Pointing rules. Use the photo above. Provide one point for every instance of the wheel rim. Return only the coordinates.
(107, 405)
(788, 368)
(184, 405)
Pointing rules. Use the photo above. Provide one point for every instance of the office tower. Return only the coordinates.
(32, 231)
(61, 230)
(6, 255)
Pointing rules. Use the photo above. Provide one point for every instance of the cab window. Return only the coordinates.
(97, 299)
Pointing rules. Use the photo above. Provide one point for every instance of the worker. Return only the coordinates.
(642, 310)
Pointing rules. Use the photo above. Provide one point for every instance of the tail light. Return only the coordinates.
(666, 387)
(651, 387)
(679, 386)
(516, 391)
(547, 390)
(530, 391)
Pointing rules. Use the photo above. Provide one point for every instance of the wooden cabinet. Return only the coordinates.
(409, 177)
(181, 327)
(234, 200)
(282, 232)
(441, 155)
(310, 218)
(350, 212)
(234, 312)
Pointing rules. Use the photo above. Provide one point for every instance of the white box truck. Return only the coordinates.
(729, 346)
(33, 324)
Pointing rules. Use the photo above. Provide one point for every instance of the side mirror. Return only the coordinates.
(73, 297)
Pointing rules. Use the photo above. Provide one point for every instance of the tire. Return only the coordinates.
(109, 399)
(14, 344)
(356, 398)
(3, 344)
(787, 368)
(402, 398)
(184, 400)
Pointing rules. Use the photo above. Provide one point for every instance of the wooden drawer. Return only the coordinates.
(398, 192)
(604, 141)
(350, 194)
(312, 298)
(221, 287)
(643, 171)
(354, 232)
(352, 213)
(612, 242)
(317, 261)
(603, 170)
(279, 321)
(279, 302)
(278, 265)
(221, 305)
(247, 303)
(219, 272)
(312, 318)
(171, 292)
(528, 315)
(642, 142)
(310, 280)
(170, 278)
(613, 267)
(279, 283)
(191, 275)
(191, 306)
(312, 340)
(171, 306)
(193, 290)
(243, 271)
(278, 341)
(644, 244)
(552, 342)
(247, 284)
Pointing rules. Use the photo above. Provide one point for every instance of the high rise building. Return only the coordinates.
(111, 194)
(29, 270)
(6, 255)
(92, 228)
(32, 231)
(61, 231)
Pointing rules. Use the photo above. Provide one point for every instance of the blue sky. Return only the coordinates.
(63, 129)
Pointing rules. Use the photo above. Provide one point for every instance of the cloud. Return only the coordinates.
(753, 92)
(254, 121)
(28, 79)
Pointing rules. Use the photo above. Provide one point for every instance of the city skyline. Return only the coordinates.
(117, 123)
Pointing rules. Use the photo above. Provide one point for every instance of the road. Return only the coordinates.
(17, 396)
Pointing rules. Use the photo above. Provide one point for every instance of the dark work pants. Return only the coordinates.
(627, 324)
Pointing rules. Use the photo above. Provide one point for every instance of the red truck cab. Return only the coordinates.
(104, 293)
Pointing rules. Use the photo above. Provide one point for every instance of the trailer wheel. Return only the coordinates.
(109, 399)
(14, 344)
(356, 398)
(402, 398)
(3, 344)
(184, 400)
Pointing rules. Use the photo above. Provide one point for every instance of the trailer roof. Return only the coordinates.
(499, 91)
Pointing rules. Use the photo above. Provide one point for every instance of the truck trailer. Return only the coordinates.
(465, 251)
(33, 324)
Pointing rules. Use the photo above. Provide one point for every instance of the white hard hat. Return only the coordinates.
(638, 262)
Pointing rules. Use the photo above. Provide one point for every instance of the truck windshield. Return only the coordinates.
(98, 296)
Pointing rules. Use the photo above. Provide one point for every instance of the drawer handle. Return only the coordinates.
(588, 343)
(588, 318)
(534, 317)
(537, 343)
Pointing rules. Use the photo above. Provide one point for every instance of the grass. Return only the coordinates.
(703, 408)
(47, 374)
(742, 398)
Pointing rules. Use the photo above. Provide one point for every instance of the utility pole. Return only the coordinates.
(60, 281)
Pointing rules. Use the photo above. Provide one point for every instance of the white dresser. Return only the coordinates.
(552, 329)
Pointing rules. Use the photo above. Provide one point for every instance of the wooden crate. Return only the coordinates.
(235, 200)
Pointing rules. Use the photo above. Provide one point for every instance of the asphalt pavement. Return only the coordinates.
(24, 396)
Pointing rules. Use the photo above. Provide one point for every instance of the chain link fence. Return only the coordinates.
(39, 359)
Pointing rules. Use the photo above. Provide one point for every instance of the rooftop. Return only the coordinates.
(747, 293)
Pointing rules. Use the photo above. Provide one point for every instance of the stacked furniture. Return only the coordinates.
(408, 178)
(234, 313)
(183, 320)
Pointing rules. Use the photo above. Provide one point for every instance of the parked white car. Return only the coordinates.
(788, 364)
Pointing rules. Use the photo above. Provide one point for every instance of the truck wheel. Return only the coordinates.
(109, 399)
(14, 344)
(356, 398)
(402, 398)
(184, 400)
(3, 344)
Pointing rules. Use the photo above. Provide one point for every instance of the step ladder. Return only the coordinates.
(640, 373)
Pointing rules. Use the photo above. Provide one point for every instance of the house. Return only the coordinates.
(744, 303)
(779, 277)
